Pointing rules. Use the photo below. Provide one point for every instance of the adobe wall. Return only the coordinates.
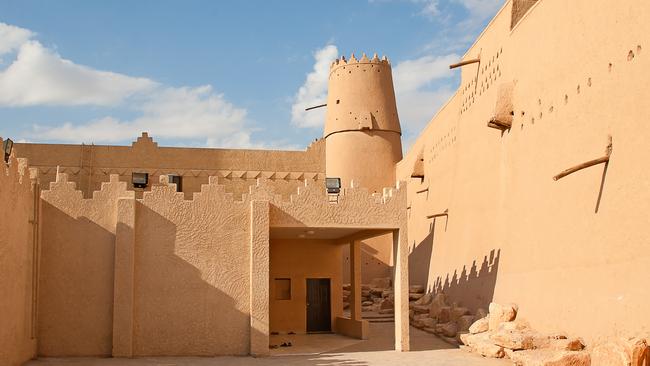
(76, 271)
(191, 280)
(513, 234)
(18, 256)
(298, 260)
(90, 165)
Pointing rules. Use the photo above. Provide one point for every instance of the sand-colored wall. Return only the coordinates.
(90, 165)
(18, 257)
(298, 260)
(513, 234)
(191, 280)
(76, 270)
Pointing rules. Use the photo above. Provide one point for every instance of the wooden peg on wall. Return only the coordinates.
(603, 159)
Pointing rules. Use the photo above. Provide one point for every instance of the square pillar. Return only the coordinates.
(123, 294)
(355, 280)
(401, 288)
(259, 278)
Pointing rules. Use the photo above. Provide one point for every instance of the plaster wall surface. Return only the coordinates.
(192, 273)
(572, 253)
(90, 165)
(75, 313)
(298, 260)
(18, 256)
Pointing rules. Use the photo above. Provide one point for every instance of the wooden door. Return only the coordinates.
(318, 305)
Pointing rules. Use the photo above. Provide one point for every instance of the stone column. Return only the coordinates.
(259, 278)
(123, 295)
(401, 288)
(355, 280)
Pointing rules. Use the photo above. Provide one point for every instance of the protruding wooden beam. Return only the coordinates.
(444, 213)
(604, 159)
(422, 190)
(316, 106)
(466, 62)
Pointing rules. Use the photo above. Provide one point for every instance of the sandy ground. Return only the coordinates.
(316, 350)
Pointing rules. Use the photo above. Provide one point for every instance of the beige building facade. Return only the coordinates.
(218, 248)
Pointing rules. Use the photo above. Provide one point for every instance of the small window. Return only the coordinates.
(178, 180)
(283, 289)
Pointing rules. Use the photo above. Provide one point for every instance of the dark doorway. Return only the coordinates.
(318, 305)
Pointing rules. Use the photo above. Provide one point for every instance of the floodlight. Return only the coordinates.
(140, 180)
(333, 185)
(7, 146)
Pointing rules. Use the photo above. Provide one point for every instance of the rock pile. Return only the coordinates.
(501, 335)
(377, 297)
(431, 313)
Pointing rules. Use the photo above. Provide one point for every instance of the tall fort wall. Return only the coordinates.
(18, 254)
(572, 253)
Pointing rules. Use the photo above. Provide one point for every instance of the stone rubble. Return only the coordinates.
(498, 333)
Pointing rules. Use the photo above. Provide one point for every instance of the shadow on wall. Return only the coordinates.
(474, 289)
(420, 258)
(184, 287)
(75, 303)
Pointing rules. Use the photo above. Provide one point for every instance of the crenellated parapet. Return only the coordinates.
(355, 207)
(375, 60)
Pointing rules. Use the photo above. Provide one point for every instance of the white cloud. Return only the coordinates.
(482, 9)
(12, 37)
(314, 90)
(418, 98)
(185, 114)
(39, 76)
(190, 115)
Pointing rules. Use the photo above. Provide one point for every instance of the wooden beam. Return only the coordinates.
(604, 159)
(463, 63)
(316, 106)
(444, 213)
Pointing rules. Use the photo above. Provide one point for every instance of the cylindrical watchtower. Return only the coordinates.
(362, 130)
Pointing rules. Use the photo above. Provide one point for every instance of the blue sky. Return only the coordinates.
(216, 73)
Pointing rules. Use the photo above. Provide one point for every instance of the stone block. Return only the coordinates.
(501, 313)
(479, 326)
(550, 358)
(464, 322)
(425, 299)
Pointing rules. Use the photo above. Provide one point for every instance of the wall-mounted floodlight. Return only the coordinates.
(7, 146)
(176, 179)
(140, 180)
(333, 185)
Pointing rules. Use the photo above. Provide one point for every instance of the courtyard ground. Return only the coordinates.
(317, 350)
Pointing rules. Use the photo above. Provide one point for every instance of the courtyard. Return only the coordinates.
(317, 349)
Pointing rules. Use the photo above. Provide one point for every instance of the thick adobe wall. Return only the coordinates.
(18, 261)
(570, 251)
(158, 276)
(77, 268)
(191, 279)
(90, 165)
